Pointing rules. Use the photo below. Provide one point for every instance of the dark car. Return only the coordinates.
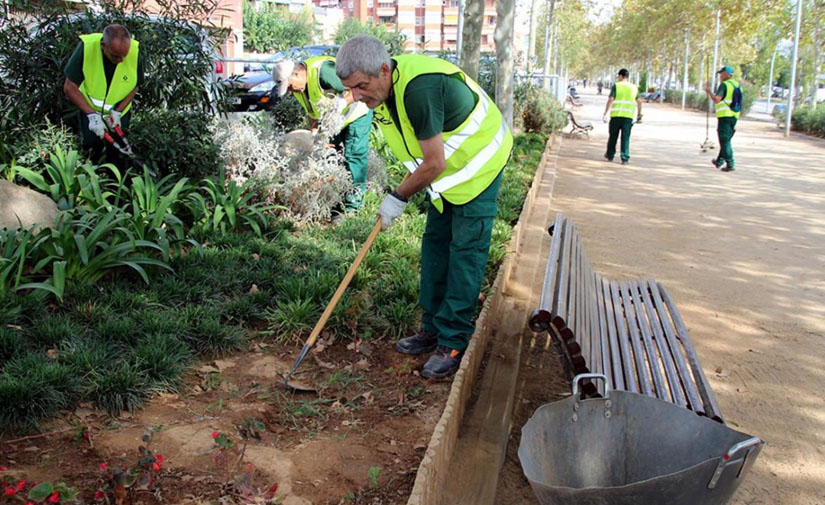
(252, 90)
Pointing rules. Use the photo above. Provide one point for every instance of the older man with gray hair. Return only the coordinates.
(452, 138)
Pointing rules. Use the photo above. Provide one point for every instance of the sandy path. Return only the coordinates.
(742, 254)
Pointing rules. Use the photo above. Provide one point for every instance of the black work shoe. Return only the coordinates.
(420, 343)
(625, 162)
(443, 363)
(728, 169)
(716, 163)
(608, 159)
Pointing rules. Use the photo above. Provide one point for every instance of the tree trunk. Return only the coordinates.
(817, 46)
(549, 24)
(531, 41)
(505, 25)
(471, 37)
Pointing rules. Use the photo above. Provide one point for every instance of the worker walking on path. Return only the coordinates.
(623, 102)
(101, 80)
(452, 138)
(727, 105)
(310, 81)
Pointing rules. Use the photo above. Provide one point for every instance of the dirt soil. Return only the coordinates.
(743, 256)
(360, 439)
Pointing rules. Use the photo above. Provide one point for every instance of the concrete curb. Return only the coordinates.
(429, 480)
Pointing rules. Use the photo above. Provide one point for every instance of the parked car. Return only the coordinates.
(252, 90)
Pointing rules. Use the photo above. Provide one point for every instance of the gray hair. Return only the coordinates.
(361, 53)
(115, 32)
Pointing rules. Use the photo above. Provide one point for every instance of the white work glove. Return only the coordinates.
(114, 118)
(390, 209)
(604, 118)
(96, 125)
(340, 104)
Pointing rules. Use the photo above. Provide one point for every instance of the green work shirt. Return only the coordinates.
(74, 69)
(721, 90)
(613, 92)
(329, 79)
(425, 99)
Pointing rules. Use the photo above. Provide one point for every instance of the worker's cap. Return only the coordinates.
(280, 74)
(726, 69)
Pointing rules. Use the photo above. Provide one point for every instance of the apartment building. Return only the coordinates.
(430, 25)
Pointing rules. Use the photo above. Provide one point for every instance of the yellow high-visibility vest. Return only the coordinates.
(94, 86)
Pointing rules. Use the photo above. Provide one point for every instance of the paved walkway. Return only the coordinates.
(742, 254)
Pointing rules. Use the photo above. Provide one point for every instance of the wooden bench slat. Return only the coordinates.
(630, 381)
(711, 407)
(600, 350)
(640, 364)
(686, 380)
(560, 311)
(659, 388)
(549, 288)
(674, 384)
(615, 357)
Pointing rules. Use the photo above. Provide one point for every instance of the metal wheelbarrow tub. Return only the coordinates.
(627, 448)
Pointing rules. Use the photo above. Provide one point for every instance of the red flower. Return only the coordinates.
(3, 468)
(99, 495)
(54, 497)
(86, 436)
(10, 491)
(215, 434)
(156, 466)
(29, 503)
(103, 466)
(20, 484)
(159, 458)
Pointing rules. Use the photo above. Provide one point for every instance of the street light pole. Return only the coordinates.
(716, 51)
(460, 33)
(793, 67)
(770, 79)
(685, 75)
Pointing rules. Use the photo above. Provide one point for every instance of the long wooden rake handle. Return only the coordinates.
(319, 326)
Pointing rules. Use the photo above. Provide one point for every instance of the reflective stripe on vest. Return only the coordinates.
(474, 153)
(723, 106)
(94, 86)
(624, 104)
(316, 92)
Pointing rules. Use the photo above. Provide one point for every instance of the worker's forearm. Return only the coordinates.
(73, 94)
(126, 101)
(607, 107)
(423, 176)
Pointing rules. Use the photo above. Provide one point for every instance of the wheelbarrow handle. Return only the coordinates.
(583, 376)
(725, 458)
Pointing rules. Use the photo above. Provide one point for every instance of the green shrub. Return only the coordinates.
(176, 142)
(162, 358)
(698, 100)
(808, 120)
(538, 110)
(122, 387)
(272, 28)
(394, 41)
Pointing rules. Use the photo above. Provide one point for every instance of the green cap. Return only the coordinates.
(726, 69)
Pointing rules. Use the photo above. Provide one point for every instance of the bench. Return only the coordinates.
(628, 330)
(576, 127)
(571, 102)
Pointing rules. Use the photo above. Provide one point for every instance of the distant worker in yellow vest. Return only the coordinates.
(624, 103)
(727, 114)
(102, 78)
(452, 138)
(309, 81)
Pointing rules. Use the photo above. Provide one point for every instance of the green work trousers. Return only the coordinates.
(725, 128)
(623, 125)
(454, 252)
(355, 140)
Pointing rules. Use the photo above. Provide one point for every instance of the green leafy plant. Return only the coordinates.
(226, 205)
(538, 110)
(21, 259)
(373, 474)
(270, 28)
(393, 40)
(122, 484)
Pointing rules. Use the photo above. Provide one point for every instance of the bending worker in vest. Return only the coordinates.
(623, 102)
(309, 81)
(102, 78)
(725, 116)
(452, 138)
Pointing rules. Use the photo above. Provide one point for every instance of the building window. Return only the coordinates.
(386, 19)
(491, 20)
(453, 3)
(369, 4)
(419, 20)
(386, 5)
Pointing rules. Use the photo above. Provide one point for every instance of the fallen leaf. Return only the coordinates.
(51, 353)
(362, 364)
(319, 347)
(223, 364)
(256, 256)
(254, 290)
(365, 349)
(324, 364)
(351, 346)
(419, 446)
(722, 372)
